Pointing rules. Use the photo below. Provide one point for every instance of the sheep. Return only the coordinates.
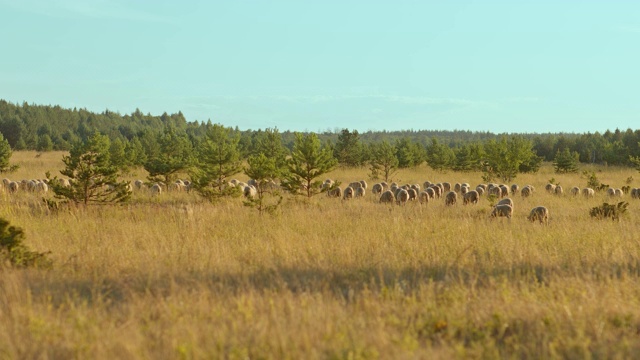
(13, 186)
(480, 190)
(6, 182)
(360, 192)
(385, 186)
(363, 184)
(611, 192)
(249, 191)
(501, 210)
(413, 194)
(387, 197)
(558, 190)
(427, 184)
(539, 213)
(445, 187)
(550, 188)
(635, 193)
(416, 187)
(138, 184)
(506, 201)
(451, 198)
(575, 191)
(464, 190)
(618, 192)
(588, 192)
(437, 191)
(156, 189)
(348, 193)
(430, 192)
(515, 188)
(495, 190)
(504, 190)
(356, 184)
(525, 192)
(471, 196)
(423, 197)
(465, 185)
(41, 187)
(402, 196)
(482, 186)
(457, 187)
(335, 192)
(377, 189)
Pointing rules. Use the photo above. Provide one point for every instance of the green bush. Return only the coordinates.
(14, 253)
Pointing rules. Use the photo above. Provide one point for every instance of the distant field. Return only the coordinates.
(176, 277)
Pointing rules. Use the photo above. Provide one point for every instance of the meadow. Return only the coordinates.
(176, 277)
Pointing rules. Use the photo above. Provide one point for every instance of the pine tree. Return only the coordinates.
(93, 178)
(264, 170)
(566, 161)
(384, 161)
(174, 155)
(348, 148)
(439, 156)
(309, 160)
(5, 155)
(218, 159)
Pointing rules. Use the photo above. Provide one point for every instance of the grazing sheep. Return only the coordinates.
(377, 189)
(416, 187)
(427, 184)
(335, 192)
(483, 186)
(413, 194)
(252, 182)
(495, 190)
(471, 196)
(464, 190)
(558, 190)
(41, 187)
(385, 186)
(635, 193)
(480, 190)
(525, 192)
(363, 184)
(451, 198)
(6, 182)
(402, 196)
(360, 192)
(539, 213)
(502, 210)
(138, 184)
(13, 186)
(355, 185)
(588, 192)
(575, 191)
(423, 197)
(446, 187)
(387, 197)
(348, 193)
(504, 190)
(611, 192)
(506, 201)
(437, 191)
(515, 188)
(156, 189)
(457, 187)
(430, 192)
(618, 192)
(249, 191)
(550, 188)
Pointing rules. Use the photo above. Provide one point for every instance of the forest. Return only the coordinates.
(46, 128)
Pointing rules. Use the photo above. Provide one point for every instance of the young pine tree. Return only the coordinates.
(93, 177)
(309, 160)
(264, 170)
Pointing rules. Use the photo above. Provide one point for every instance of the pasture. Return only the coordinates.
(176, 277)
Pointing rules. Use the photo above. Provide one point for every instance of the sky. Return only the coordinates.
(500, 66)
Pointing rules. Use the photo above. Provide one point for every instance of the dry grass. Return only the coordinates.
(174, 277)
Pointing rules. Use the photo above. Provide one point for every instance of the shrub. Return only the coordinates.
(15, 253)
(607, 210)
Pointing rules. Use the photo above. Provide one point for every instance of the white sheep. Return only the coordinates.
(502, 210)
(575, 191)
(387, 197)
(335, 192)
(525, 192)
(360, 192)
(558, 190)
(377, 189)
(539, 213)
(156, 189)
(451, 198)
(471, 196)
(506, 201)
(348, 193)
(423, 197)
(515, 188)
(402, 196)
(550, 188)
(588, 192)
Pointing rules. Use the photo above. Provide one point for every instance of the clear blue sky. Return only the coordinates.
(502, 66)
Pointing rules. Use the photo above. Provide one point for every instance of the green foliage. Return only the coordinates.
(468, 157)
(592, 180)
(5, 155)
(14, 252)
(269, 142)
(44, 143)
(264, 170)
(348, 149)
(218, 159)
(566, 161)
(308, 161)
(439, 156)
(409, 154)
(505, 158)
(383, 161)
(174, 155)
(93, 177)
(606, 210)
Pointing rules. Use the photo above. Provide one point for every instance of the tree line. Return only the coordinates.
(139, 138)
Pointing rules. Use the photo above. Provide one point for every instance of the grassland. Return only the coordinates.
(176, 277)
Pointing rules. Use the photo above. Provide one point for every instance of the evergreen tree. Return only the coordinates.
(5, 155)
(409, 154)
(218, 159)
(383, 162)
(269, 142)
(504, 158)
(93, 178)
(309, 160)
(174, 156)
(264, 170)
(566, 161)
(348, 149)
(439, 156)
(468, 157)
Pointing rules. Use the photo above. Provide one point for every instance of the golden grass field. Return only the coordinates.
(176, 277)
